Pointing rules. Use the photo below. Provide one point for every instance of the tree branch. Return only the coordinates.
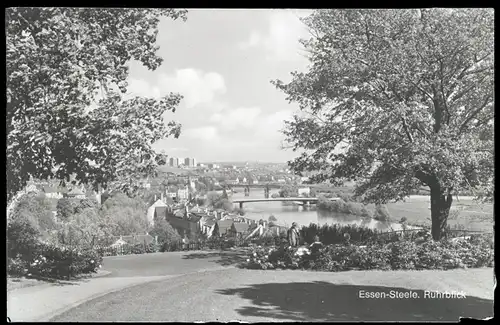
(407, 131)
(474, 113)
(465, 91)
(443, 93)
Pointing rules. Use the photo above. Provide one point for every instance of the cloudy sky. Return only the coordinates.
(222, 62)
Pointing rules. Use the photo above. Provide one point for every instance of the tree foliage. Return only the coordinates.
(289, 191)
(86, 228)
(65, 208)
(165, 232)
(217, 201)
(58, 60)
(34, 209)
(397, 99)
(125, 215)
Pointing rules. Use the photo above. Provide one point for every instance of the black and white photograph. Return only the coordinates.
(249, 165)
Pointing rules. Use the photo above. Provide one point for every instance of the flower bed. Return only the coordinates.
(400, 255)
(55, 262)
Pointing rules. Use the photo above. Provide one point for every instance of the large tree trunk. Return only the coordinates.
(440, 210)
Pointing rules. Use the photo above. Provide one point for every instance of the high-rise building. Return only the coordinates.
(174, 162)
(190, 162)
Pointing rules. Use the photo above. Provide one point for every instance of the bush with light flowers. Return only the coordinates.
(273, 257)
(56, 262)
(477, 251)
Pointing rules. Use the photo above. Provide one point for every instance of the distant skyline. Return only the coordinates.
(222, 62)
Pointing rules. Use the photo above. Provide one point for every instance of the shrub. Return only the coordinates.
(35, 209)
(56, 262)
(353, 208)
(65, 208)
(239, 211)
(344, 197)
(334, 234)
(22, 237)
(398, 255)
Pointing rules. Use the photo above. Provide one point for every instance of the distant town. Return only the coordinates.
(182, 188)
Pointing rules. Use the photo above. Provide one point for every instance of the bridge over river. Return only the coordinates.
(304, 200)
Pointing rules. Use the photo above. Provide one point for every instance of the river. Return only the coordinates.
(286, 213)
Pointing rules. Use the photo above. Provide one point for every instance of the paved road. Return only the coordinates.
(172, 263)
(248, 295)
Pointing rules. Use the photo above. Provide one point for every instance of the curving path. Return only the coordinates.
(172, 263)
(228, 293)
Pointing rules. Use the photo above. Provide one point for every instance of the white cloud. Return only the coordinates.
(274, 123)
(196, 86)
(281, 40)
(237, 118)
(140, 87)
(202, 133)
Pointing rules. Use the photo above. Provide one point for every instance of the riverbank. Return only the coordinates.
(465, 213)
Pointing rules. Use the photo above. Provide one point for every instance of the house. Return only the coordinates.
(133, 240)
(75, 193)
(144, 184)
(304, 190)
(238, 229)
(207, 225)
(253, 180)
(183, 193)
(53, 192)
(53, 206)
(222, 227)
(185, 223)
(170, 194)
(233, 181)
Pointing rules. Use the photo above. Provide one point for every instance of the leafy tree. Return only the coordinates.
(22, 237)
(213, 198)
(86, 204)
(289, 191)
(272, 218)
(65, 208)
(58, 61)
(200, 187)
(165, 232)
(397, 99)
(148, 196)
(125, 215)
(35, 209)
(86, 228)
(224, 194)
